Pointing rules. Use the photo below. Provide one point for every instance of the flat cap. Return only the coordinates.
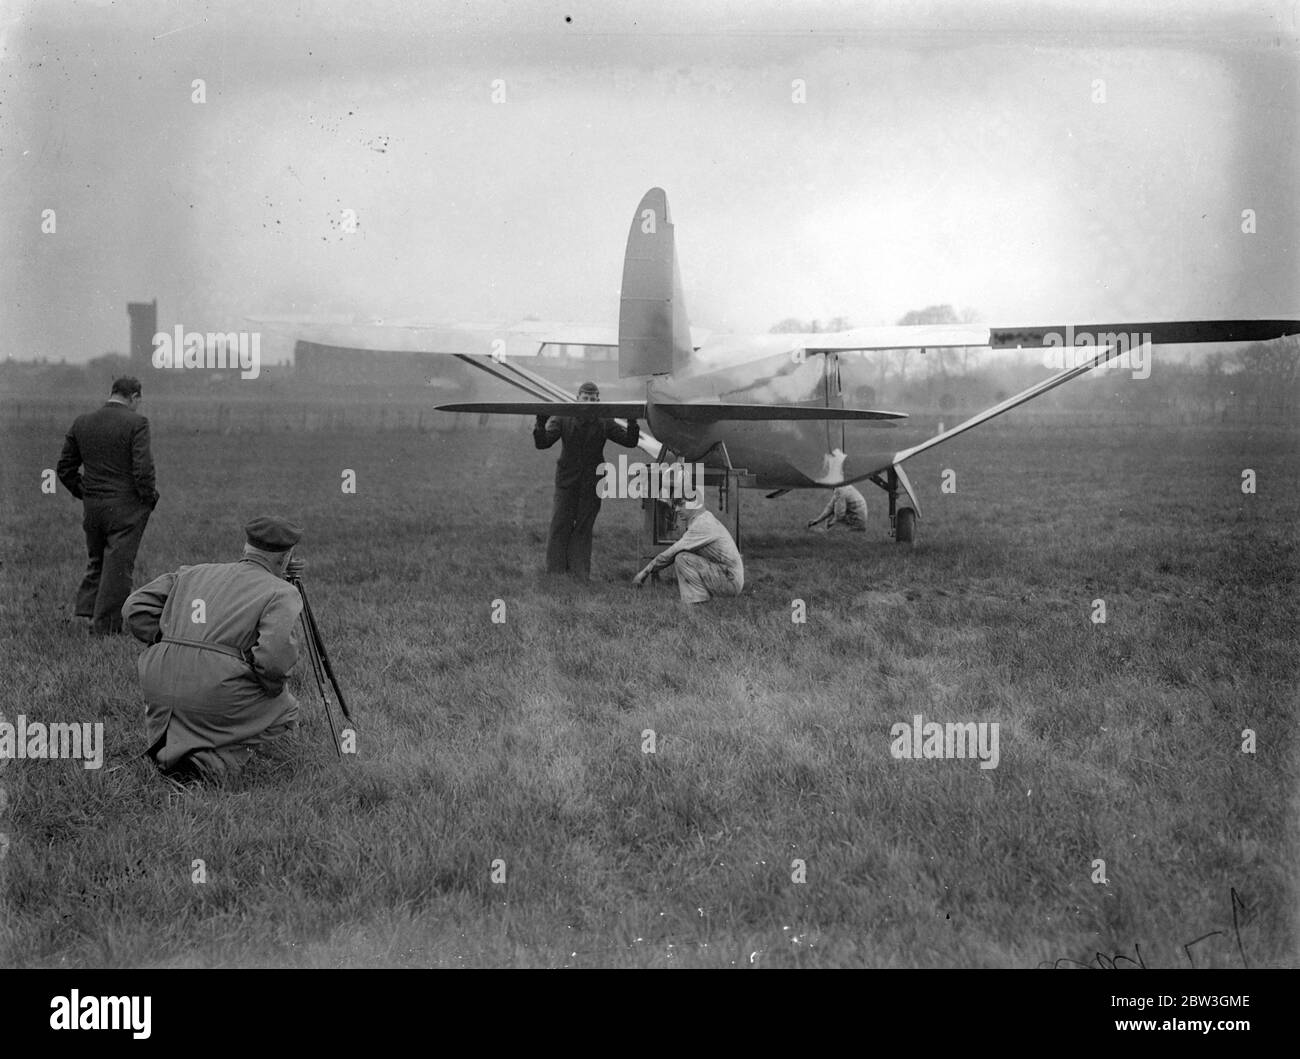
(272, 534)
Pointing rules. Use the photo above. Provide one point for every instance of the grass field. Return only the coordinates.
(522, 742)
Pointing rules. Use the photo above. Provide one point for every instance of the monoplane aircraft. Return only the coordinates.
(769, 407)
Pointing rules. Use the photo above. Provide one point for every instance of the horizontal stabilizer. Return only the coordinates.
(704, 412)
(580, 409)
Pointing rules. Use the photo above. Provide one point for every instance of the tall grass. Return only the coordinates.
(522, 742)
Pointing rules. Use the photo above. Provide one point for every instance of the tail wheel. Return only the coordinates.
(905, 526)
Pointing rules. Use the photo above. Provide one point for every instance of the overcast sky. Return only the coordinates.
(1037, 164)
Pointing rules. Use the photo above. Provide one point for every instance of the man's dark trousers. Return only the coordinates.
(113, 528)
(568, 549)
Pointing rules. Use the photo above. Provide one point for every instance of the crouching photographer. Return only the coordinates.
(223, 638)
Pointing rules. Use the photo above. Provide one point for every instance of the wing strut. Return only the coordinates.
(548, 392)
(1103, 354)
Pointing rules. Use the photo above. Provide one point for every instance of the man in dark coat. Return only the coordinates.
(568, 551)
(106, 464)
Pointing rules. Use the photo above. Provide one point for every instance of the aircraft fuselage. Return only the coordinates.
(781, 454)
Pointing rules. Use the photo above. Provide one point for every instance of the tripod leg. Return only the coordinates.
(324, 654)
(313, 653)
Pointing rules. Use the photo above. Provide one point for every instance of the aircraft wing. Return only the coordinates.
(712, 412)
(1165, 333)
(549, 332)
(1049, 337)
(1105, 338)
(918, 336)
(939, 336)
(527, 337)
(523, 339)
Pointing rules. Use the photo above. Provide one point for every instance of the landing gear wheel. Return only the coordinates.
(905, 526)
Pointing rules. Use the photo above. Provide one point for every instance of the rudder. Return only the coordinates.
(654, 335)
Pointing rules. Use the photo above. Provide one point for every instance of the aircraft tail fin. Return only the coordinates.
(654, 335)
